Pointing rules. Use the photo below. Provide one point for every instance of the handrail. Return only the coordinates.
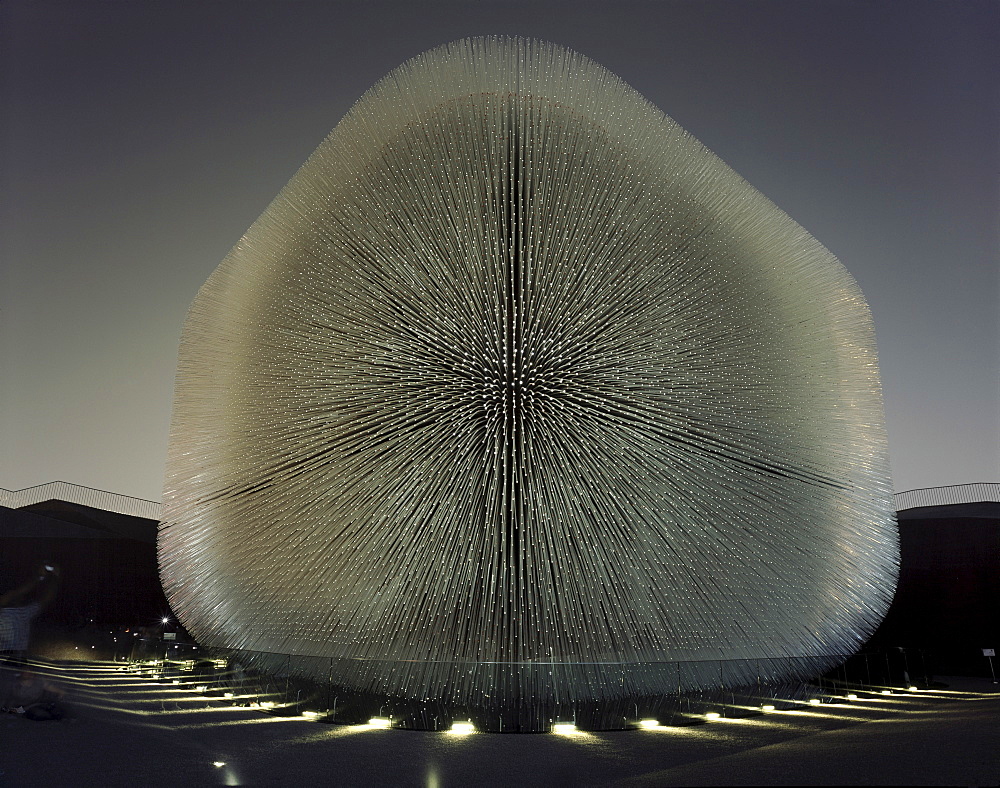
(948, 495)
(79, 494)
(141, 507)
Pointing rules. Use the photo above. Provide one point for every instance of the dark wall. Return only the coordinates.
(948, 598)
(104, 577)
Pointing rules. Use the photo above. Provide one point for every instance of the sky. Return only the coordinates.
(139, 141)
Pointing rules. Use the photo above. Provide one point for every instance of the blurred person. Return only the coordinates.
(18, 609)
(33, 696)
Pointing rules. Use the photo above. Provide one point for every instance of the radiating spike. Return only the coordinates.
(514, 370)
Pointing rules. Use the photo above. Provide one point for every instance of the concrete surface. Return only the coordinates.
(128, 731)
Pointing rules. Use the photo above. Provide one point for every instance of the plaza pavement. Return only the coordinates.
(127, 730)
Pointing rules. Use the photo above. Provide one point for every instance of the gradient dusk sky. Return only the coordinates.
(141, 139)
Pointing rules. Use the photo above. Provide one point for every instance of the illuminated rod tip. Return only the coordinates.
(218, 764)
(563, 727)
(912, 689)
(462, 727)
(312, 715)
(712, 715)
(814, 701)
(852, 696)
(649, 723)
(767, 707)
(380, 722)
(886, 692)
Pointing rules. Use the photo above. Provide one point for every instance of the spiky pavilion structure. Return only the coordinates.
(517, 391)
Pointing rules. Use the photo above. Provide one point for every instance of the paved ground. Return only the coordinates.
(129, 731)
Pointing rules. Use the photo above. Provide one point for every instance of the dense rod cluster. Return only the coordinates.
(514, 370)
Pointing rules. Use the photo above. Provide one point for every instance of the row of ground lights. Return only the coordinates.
(568, 728)
(562, 728)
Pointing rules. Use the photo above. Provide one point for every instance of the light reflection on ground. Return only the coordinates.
(128, 701)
